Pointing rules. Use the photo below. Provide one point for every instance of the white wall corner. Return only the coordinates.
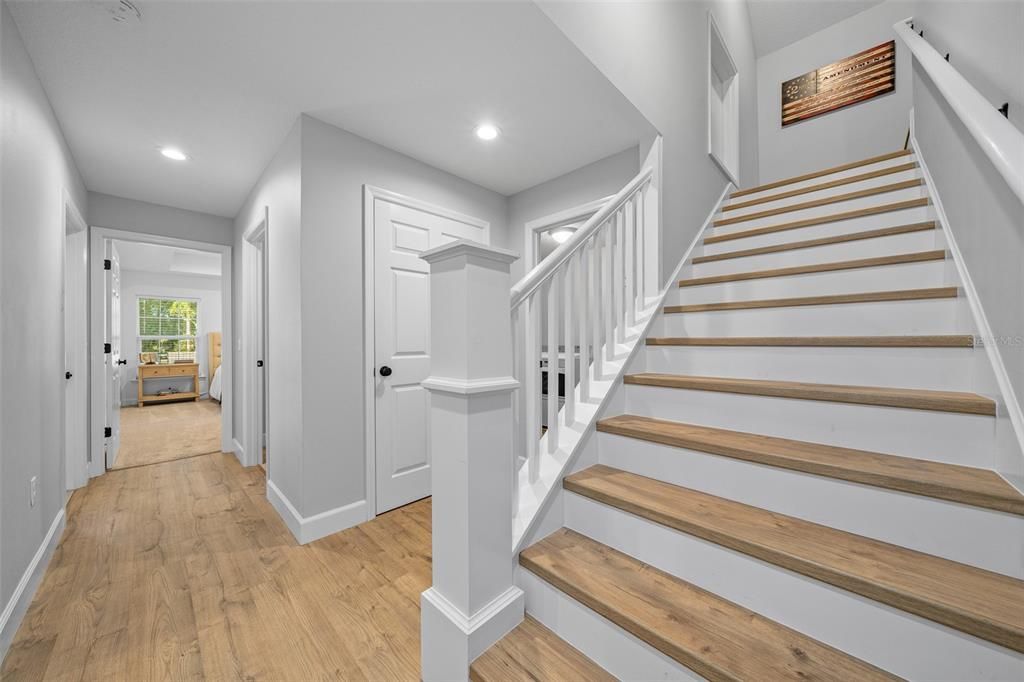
(307, 529)
(17, 606)
(452, 640)
(239, 451)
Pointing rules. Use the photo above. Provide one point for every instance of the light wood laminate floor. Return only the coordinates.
(162, 432)
(183, 570)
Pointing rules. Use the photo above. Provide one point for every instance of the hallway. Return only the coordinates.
(166, 432)
(183, 570)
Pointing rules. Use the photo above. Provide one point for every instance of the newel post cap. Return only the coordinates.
(466, 247)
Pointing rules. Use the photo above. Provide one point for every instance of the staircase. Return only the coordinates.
(794, 478)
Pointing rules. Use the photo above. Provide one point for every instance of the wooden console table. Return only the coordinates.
(181, 369)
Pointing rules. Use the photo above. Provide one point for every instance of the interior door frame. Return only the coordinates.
(370, 194)
(76, 464)
(569, 216)
(97, 238)
(254, 262)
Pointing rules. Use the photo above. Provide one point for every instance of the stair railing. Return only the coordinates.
(492, 467)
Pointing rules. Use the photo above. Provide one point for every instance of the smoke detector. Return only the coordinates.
(124, 12)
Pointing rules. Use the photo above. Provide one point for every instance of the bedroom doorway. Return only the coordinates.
(161, 322)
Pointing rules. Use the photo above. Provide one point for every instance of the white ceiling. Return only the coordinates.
(777, 23)
(225, 81)
(164, 260)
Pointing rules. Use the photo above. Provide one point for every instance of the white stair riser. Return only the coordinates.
(906, 216)
(947, 529)
(938, 316)
(925, 240)
(920, 275)
(603, 642)
(826, 210)
(932, 368)
(881, 181)
(904, 644)
(859, 170)
(925, 434)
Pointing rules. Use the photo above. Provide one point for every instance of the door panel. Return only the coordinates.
(113, 334)
(402, 343)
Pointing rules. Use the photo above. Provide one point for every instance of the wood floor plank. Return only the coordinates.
(832, 299)
(532, 652)
(184, 570)
(818, 220)
(909, 398)
(823, 172)
(891, 170)
(876, 261)
(935, 341)
(817, 203)
(981, 603)
(715, 638)
(823, 241)
(964, 485)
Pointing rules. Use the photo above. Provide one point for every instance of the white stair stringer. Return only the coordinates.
(894, 640)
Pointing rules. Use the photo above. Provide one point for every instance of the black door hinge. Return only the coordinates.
(106, 348)
(106, 263)
(108, 432)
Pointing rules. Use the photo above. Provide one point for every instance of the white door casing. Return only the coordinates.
(255, 341)
(113, 358)
(398, 312)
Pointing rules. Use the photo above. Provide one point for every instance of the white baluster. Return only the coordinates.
(531, 387)
(518, 413)
(630, 230)
(619, 255)
(553, 324)
(569, 316)
(607, 301)
(585, 289)
(594, 301)
(641, 256)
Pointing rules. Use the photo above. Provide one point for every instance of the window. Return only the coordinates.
(723, 104)
(168, 327)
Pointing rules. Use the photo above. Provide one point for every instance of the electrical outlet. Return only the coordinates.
(33, 488)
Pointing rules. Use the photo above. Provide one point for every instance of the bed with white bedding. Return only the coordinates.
(214, 349)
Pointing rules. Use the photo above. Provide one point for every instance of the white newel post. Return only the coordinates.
(473, 601)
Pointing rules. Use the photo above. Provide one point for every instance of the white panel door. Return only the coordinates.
(114, 361)
(402, 341)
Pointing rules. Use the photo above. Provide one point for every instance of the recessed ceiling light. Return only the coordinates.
(173, 153)
(486, 131)
(561, 236)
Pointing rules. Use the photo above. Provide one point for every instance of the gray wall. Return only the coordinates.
(599, 179)
(141, 216)
(866, 129)
(36, 169)
(656, 53)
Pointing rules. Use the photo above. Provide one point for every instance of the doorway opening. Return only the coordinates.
(161, 323)
(76, 357)
(255, 375)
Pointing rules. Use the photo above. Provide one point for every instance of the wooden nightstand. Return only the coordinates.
(181, 369)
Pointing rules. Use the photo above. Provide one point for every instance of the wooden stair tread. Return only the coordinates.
(934, 341)
(820, 173)
(715, 638)
(533, 652)
(833, 299)
(811, 243)
(824, 201)
(891, 170)
(819, 220)
(910, 398)
(979, 602)
(875, 261)
(965, 485)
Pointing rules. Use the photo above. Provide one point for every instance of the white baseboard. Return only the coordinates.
(239, 451)
(18, 604)
(309, 528)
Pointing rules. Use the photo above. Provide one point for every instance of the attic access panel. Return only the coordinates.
(855, 79)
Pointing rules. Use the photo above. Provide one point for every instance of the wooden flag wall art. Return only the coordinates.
(855, 79)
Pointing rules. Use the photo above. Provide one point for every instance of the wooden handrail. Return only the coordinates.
(1001, 141)
(543, 271)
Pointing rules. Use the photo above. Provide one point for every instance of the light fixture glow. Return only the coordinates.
(174, 153)
(562, 235)
(486, 131)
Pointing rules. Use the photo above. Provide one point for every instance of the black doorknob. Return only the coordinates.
(259, 363)
(122, 362)
(385, 371)
(68, 375)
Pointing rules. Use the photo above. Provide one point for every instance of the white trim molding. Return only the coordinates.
(16, 607)
(307, 529)
(569, 216)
